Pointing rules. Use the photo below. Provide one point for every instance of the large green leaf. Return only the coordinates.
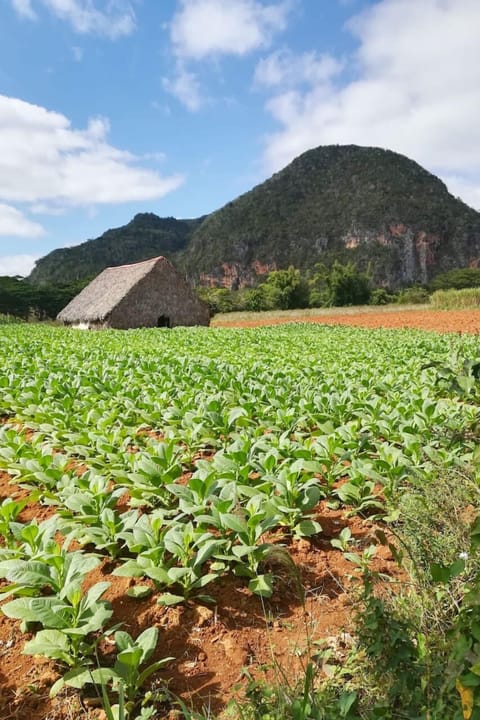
(52, 644)
(262, 585)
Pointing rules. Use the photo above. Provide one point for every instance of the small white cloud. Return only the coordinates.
(185, 87)
(77, 53)
(13, 223)
(203, 28)
(44, 160)
(47, 209)
(157, 157)
(116, 19)
(24, 9)
(284, 68)
(17, 264)
(162, 108)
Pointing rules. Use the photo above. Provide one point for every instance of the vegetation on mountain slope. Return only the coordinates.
(369, 206)
(146, 236)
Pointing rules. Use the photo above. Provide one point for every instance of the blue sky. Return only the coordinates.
(113, 107)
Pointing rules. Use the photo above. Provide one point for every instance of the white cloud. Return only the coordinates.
(416, 90)
(185, 87)
(115, 19)
(14, 223)
(203, 28)
(41, 208)
(284, 68)
(44, 160)
(24, 9)
(77, 53)
(17, 264)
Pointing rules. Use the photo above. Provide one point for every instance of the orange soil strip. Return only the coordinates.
(460, 321)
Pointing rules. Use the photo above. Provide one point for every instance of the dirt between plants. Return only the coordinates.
(211, 644)
(463, 321)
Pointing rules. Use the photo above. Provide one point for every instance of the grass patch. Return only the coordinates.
(310, 313)
(415, 653)
(456, 299)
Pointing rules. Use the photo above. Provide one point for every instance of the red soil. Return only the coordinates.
(440, 320)
(210, 644)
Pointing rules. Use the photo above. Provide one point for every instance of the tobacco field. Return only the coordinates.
(175, 503)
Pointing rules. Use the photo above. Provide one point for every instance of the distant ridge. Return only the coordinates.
(144, 237)
(373, 206)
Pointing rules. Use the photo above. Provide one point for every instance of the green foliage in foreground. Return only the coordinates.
(456, 299)
(281, 413)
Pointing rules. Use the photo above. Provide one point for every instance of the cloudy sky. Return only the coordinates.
(113, 107)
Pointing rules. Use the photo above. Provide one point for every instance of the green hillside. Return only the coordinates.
(146, 236)
(369, 205)
(372, 206)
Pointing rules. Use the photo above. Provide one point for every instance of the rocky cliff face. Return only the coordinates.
(417, 252)
(372, 206)
(235, 276)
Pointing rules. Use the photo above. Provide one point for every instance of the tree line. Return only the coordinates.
(338, 285)
(23, 299)
(289, 289)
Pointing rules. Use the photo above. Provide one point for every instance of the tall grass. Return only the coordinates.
(456, 299)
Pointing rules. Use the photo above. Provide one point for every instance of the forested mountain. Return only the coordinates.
(347, 203)
(146, 236)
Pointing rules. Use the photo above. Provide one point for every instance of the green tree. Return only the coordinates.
(255, 299)
(22, 299)
(318, 291)
(286, 289)
(219, 300)
(347, 286)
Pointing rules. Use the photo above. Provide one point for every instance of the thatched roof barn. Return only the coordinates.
(146, 294)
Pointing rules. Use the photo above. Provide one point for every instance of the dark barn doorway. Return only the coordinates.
(163, 321)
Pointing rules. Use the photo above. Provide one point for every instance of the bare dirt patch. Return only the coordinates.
(463, 321)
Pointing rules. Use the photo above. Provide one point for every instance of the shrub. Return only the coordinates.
(338, 286)
(380, 296)
(255, 299)
(415, 295)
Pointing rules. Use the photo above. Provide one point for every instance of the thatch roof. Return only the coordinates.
(98, 299)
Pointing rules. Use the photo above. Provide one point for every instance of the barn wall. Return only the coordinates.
(162, 292)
